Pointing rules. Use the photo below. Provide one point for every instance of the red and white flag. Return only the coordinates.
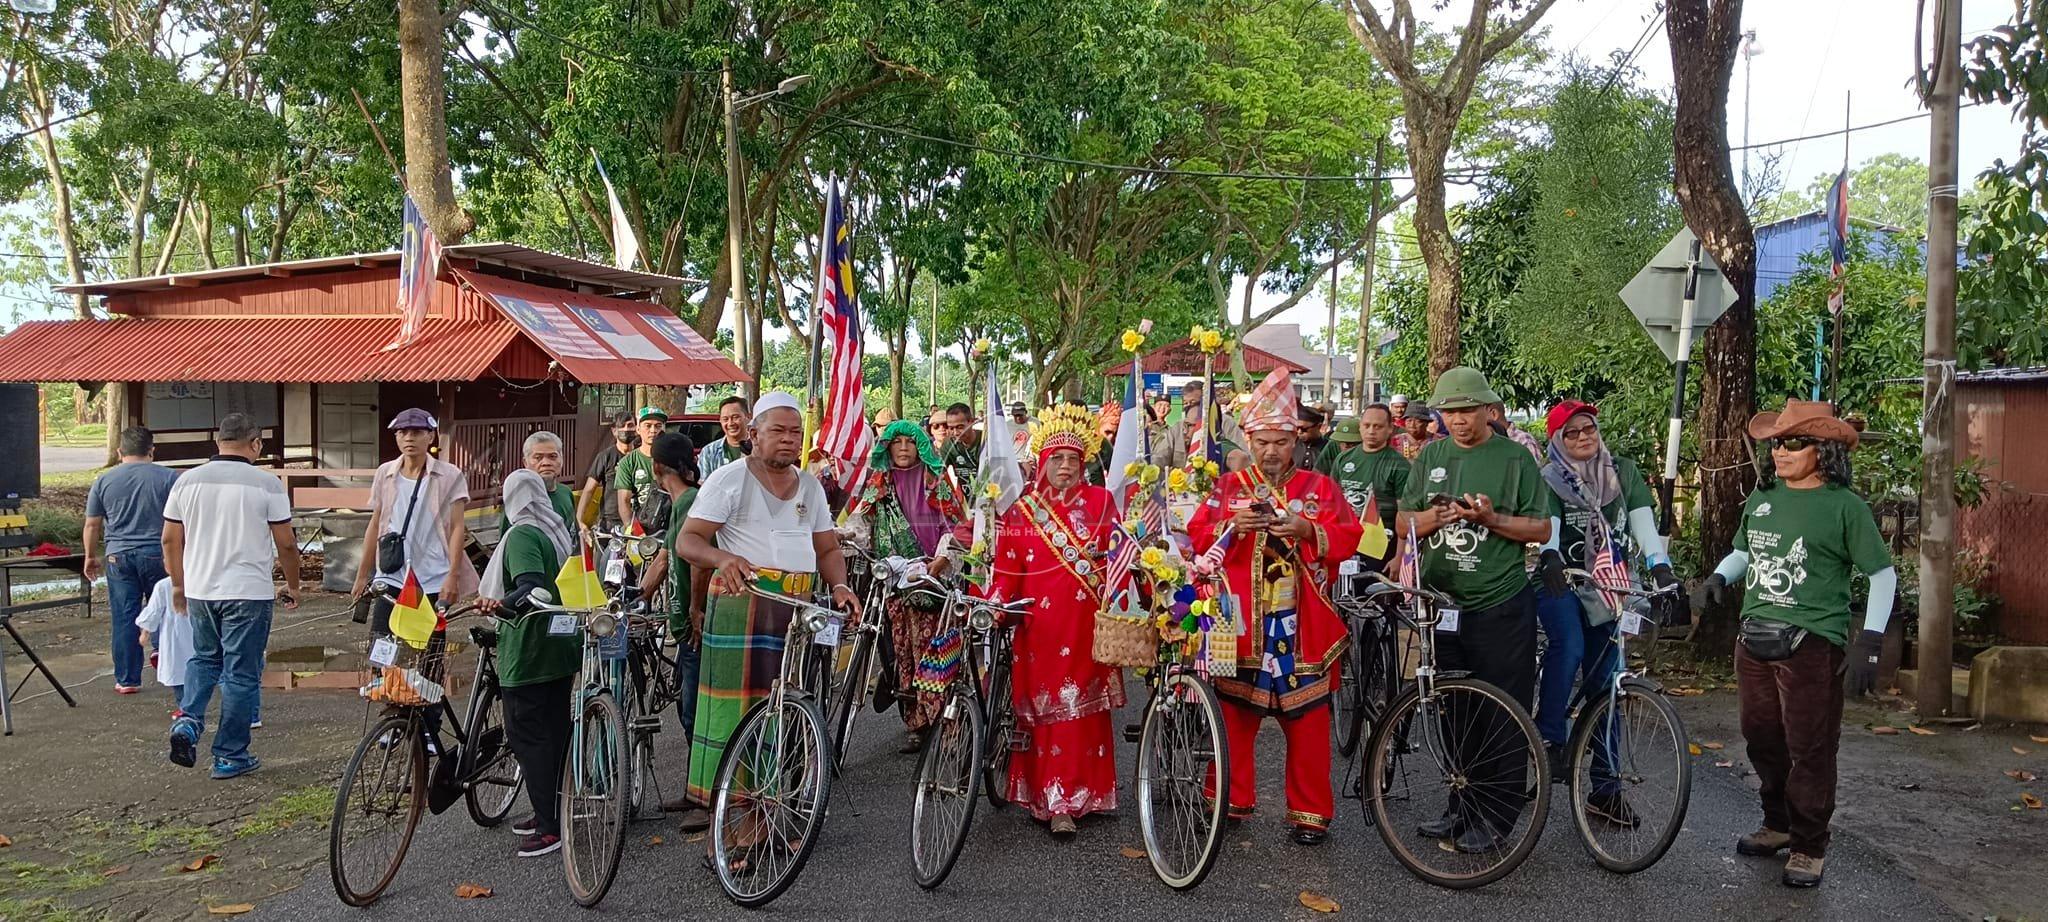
(843, 431)
(419, 264)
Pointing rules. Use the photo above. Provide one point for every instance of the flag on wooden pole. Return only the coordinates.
(625, 243)
(843, 432)
(419, 264)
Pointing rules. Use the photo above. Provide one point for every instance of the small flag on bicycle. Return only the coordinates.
(413, 619)
(1608, 573)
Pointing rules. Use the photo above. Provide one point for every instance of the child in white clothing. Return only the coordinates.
(172, 636)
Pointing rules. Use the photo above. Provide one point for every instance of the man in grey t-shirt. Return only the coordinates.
(126, 507)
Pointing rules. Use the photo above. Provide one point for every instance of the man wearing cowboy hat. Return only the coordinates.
(1477, 499)
(1801, 537)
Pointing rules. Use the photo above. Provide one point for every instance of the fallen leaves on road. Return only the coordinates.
(654, 840)
(468, 891)
(2019, 774)
(699, 837)
(1129, 852)
(198, 864)
(1318, 902)
(1692, 748)
(116, 869)
(231, 909)
(1723, 763)
(1684, 691)
(1711, 745)
(1883, 730)
(2043, 740)
(1922, 731)
(2030, 801)
(2019, 750)
(5, 841)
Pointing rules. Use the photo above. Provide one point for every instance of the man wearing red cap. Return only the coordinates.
(1280, 533)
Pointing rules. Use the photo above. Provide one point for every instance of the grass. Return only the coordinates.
(308, 805)
(65, 878)
(74, 480)
(185, 838)
(54, 524)
(46, 910)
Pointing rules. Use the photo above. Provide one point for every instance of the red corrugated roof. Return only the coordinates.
(601, 340)
(296, 349)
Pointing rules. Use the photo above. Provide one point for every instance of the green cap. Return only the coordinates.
(1462, 388)
(654, 413)
(1347, 431)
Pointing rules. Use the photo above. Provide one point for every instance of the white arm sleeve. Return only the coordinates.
(1884, 587)
(1556, 528)
(1642, 525)
(1733, 566)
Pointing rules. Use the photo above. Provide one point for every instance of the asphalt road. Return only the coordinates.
(64, 459)
(861, 869)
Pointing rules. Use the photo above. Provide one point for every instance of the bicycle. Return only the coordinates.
(967, 749)
(1628, 749)
(385, 787)
(1183, 767)
(768, 800)
(1449, 754)
(850, 687)
(1370, 675)
(650, 683)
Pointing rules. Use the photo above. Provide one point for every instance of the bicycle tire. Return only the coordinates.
(1197, 775)
(1002, 729)
(1409, 728)
(846, 699)
(495, 778)
(798, 722)
(942, 802)
(1347, 705)
(398, 791)
(593, 799)
(1637, 698)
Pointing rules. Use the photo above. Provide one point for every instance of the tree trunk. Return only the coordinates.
(423, 90)
(1703, 36)
(1433, 237)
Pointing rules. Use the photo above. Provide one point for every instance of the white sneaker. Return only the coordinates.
(256, 725)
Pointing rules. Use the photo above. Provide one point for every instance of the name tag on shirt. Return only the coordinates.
(1449, 622)
(562, 626)
(383, 652)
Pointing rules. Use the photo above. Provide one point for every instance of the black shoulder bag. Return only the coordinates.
(391, 545)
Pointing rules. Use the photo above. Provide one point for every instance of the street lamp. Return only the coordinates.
(746, 335)
(1750, 49)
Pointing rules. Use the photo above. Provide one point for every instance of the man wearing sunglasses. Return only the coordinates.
(1803, 536)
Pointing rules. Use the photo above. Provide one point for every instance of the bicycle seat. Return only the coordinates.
(484, 637)
(1374, 591)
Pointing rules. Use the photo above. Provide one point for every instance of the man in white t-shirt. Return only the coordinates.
(226, 524)
(422, 498)
(774, 532)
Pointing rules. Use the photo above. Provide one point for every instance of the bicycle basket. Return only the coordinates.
(1125, 641)
(404, 687)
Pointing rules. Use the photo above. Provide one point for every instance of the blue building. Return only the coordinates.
(1782, 245)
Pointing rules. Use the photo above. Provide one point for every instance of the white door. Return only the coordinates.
(348, 426)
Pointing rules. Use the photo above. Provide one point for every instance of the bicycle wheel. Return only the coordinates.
(1183, 771)
(1002, 731)
(376, 808)
(1459, 761)
(593, 800)
(768, 805)
(494, 776)
(1631, 779)
(942, 804)
(846, 697)
(1347, 706)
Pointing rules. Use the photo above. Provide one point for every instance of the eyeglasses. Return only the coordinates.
(1580, 432)
(1795, 443)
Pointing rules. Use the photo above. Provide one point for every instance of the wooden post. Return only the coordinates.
(1362, 376)
(1935, 693)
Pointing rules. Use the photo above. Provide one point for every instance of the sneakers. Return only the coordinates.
(256, 724)
(1802, 870)
(1062, 827)
(1560, 766)
(224, 769)
(127, 689)
(1442, 827)
(1478, 839)
(1614, 809)
(525, 826)
(185, 742)
(536, 845)
(1763, 843)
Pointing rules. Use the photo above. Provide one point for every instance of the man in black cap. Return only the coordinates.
(633, 484)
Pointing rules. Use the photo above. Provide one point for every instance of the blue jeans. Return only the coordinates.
(130, 576)
(228, 638)
(1574, 651)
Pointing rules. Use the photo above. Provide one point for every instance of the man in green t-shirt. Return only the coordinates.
(633, 484)
(1477, 500)
(1801, 541)
(538, 653)
(1366, 464)
(542, 454)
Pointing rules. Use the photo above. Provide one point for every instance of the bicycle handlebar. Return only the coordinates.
(1583, 577)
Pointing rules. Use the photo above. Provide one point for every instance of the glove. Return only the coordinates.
(1672, 610)
(1714, 591)
(1862, 662)
(1551, 567)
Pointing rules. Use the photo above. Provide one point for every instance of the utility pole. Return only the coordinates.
(1938, 423)
(1330, 345)
(1749, 53)
(931, 343)
(735, 221)
(1362, 377)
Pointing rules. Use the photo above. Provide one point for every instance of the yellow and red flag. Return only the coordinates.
(413, 618)
(578, 581)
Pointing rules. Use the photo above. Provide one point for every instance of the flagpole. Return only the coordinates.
(812, 411)
(1842, 281)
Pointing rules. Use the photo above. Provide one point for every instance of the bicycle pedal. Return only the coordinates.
(646, 723)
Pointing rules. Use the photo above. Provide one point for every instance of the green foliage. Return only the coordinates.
(1888, 189)
(2002, 298)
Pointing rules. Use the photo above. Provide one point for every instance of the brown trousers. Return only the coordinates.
(1792, 720)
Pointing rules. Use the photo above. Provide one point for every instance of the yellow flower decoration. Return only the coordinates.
(1131, 469)
(982, 346)
(1152, 557)
(1132, 340)
(977, 549)
(1148, 475)
(1209, 341)
(1177, 480)
(993, 490)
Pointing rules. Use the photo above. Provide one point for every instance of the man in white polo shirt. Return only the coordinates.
(226, 524)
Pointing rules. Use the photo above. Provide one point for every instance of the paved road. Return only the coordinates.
(65, 459)
(862, 869)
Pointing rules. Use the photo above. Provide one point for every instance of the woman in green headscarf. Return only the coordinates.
(908, 507)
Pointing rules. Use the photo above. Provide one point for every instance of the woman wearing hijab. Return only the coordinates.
(536, 667)
(1050, 548)
(908, 508)
(1598, 503)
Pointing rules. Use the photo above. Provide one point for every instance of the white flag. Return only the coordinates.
(999, 449)
(625, 243)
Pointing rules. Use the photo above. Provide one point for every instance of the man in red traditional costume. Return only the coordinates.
(1278, 534)
(1051, 547)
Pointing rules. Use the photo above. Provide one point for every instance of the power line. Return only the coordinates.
(1841, 131)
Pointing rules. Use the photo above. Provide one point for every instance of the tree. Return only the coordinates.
(1703, 35)
(423, 84)
(1888, 189)
(1433, 105)
(2002, 297)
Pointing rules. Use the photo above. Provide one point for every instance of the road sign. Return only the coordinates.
(1657, 294)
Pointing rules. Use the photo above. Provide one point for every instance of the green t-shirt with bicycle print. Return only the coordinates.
(1475, 567)
(1635, 494)
(527, 653)
(1382, 475)
(1802, 545)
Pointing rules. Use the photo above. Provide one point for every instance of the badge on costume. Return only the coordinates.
(1350, 466)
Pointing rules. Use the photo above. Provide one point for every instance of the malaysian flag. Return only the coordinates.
(1837, 208)
(843, 432)
(1123, 555)
(419, 264)
(1411, 559)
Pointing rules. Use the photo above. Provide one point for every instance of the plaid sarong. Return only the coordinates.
(742, 658)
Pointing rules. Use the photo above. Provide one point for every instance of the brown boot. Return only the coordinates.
(1062, 827)
(1802, 870)
(1763, 843)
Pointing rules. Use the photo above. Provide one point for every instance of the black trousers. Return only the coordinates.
(537, 723)
(1496, 645)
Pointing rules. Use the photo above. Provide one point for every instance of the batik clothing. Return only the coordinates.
(742, 657)
(905, 513)
(1292, 638)
(1048, 549)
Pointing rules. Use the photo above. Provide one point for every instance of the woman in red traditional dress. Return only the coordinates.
(1051, 548)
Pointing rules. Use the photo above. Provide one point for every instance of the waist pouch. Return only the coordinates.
(1770, 641)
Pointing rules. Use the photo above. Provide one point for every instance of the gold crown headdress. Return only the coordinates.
(1066, 426)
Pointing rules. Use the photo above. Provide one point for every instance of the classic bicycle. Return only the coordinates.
(855, 683)
(967, 750)
(1451, 755)
(1630, 772)
(385, 786)
(1183, 767)
(1371, 666)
